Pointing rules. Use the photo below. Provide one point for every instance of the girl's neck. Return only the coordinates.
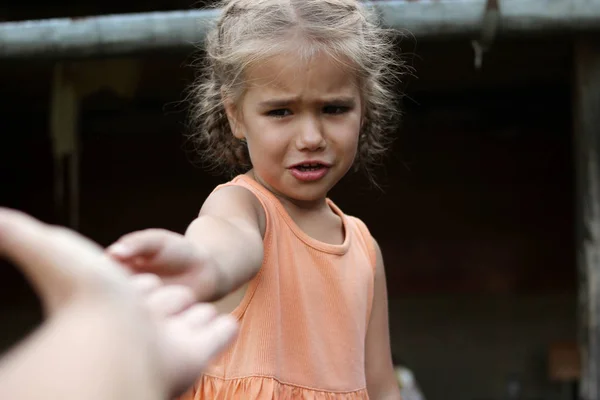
(315, 218)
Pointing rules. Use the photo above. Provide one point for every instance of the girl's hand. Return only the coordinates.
(221, 250)
(170, 256)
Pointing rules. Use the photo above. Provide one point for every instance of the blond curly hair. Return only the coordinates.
(250, 31)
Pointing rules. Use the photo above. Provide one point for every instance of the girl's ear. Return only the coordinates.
(233, 117)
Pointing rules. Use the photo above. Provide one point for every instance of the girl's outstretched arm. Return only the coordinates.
(230, 228)
(381, 380)
(221, 250)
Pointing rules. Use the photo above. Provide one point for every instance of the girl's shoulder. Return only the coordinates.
(244, 184)
(235, 200)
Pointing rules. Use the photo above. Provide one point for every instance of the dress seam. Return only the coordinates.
(286, 383)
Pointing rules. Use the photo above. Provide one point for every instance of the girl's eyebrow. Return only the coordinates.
(275, 103)
(342, 100)
(348, 101)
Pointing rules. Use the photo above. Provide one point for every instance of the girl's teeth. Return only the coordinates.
(308, 167)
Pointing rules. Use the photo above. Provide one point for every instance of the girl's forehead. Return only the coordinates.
(290, 72)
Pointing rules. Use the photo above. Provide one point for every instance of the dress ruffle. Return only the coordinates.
(262, 388)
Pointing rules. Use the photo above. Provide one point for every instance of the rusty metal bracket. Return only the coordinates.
(491, 21)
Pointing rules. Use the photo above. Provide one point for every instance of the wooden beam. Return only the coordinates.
(587, 156)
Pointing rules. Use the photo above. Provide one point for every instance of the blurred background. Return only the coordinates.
(475, 216)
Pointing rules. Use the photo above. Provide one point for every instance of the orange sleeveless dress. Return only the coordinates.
(304, 317)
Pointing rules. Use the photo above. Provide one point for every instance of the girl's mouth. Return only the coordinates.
(309, 171)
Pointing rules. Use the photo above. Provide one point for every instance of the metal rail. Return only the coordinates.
(114, 35)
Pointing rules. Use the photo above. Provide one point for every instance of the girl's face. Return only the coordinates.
(301, 121)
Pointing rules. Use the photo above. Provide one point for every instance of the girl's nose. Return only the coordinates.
(311, 137)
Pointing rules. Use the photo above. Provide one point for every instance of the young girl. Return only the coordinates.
(296, 93)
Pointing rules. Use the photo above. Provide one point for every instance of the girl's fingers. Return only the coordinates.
(156, 251)
(146, 243)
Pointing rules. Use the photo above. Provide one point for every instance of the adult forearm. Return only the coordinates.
(78, 354)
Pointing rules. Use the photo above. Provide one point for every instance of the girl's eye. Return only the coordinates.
(279, 113)
(335, 109)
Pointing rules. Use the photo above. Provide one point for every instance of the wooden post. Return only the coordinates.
(587, 158)
(64, 116)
